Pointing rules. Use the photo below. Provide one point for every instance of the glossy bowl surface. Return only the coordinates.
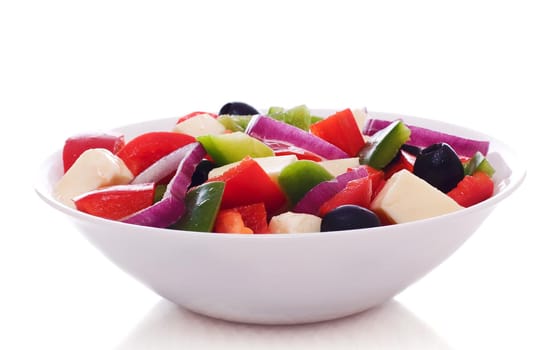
(286, 278)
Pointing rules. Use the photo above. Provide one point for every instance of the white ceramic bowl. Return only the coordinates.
(286, 278)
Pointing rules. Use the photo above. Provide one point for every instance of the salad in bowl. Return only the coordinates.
(279, 216)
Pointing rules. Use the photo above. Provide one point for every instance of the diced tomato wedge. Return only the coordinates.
(116, 202)
(376, 188)
(146, 149)
(193, 114)
(376, 177)
(76, 145)
(230, 221)
(473, 189)
(357, 192)
(403, 160)
(247, 183)
(340, 129)
(254, 217)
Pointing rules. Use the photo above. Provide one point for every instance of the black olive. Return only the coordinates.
(201, 173)
(349, 217)
(238, 108)
(440, 166)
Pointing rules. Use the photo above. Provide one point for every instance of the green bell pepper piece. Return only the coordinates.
(479, 163)
(202, 205)
(298, 116)
(299, 177)
(233, 147)
(234, 122)
(384, 145)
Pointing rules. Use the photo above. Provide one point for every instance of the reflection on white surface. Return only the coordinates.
(390, 326)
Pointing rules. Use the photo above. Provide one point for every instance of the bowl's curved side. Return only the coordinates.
(285, 280)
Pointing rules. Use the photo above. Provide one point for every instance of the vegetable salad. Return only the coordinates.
(283, 171)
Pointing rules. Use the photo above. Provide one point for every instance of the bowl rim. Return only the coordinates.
(513, 181)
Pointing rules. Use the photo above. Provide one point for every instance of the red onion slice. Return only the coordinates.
(423, 137)
(171, 208)
(162, 168)
(268, 129)
(161, 214)
(178, 185)
(313, 199)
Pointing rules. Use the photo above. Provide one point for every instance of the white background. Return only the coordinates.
(69, 66)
